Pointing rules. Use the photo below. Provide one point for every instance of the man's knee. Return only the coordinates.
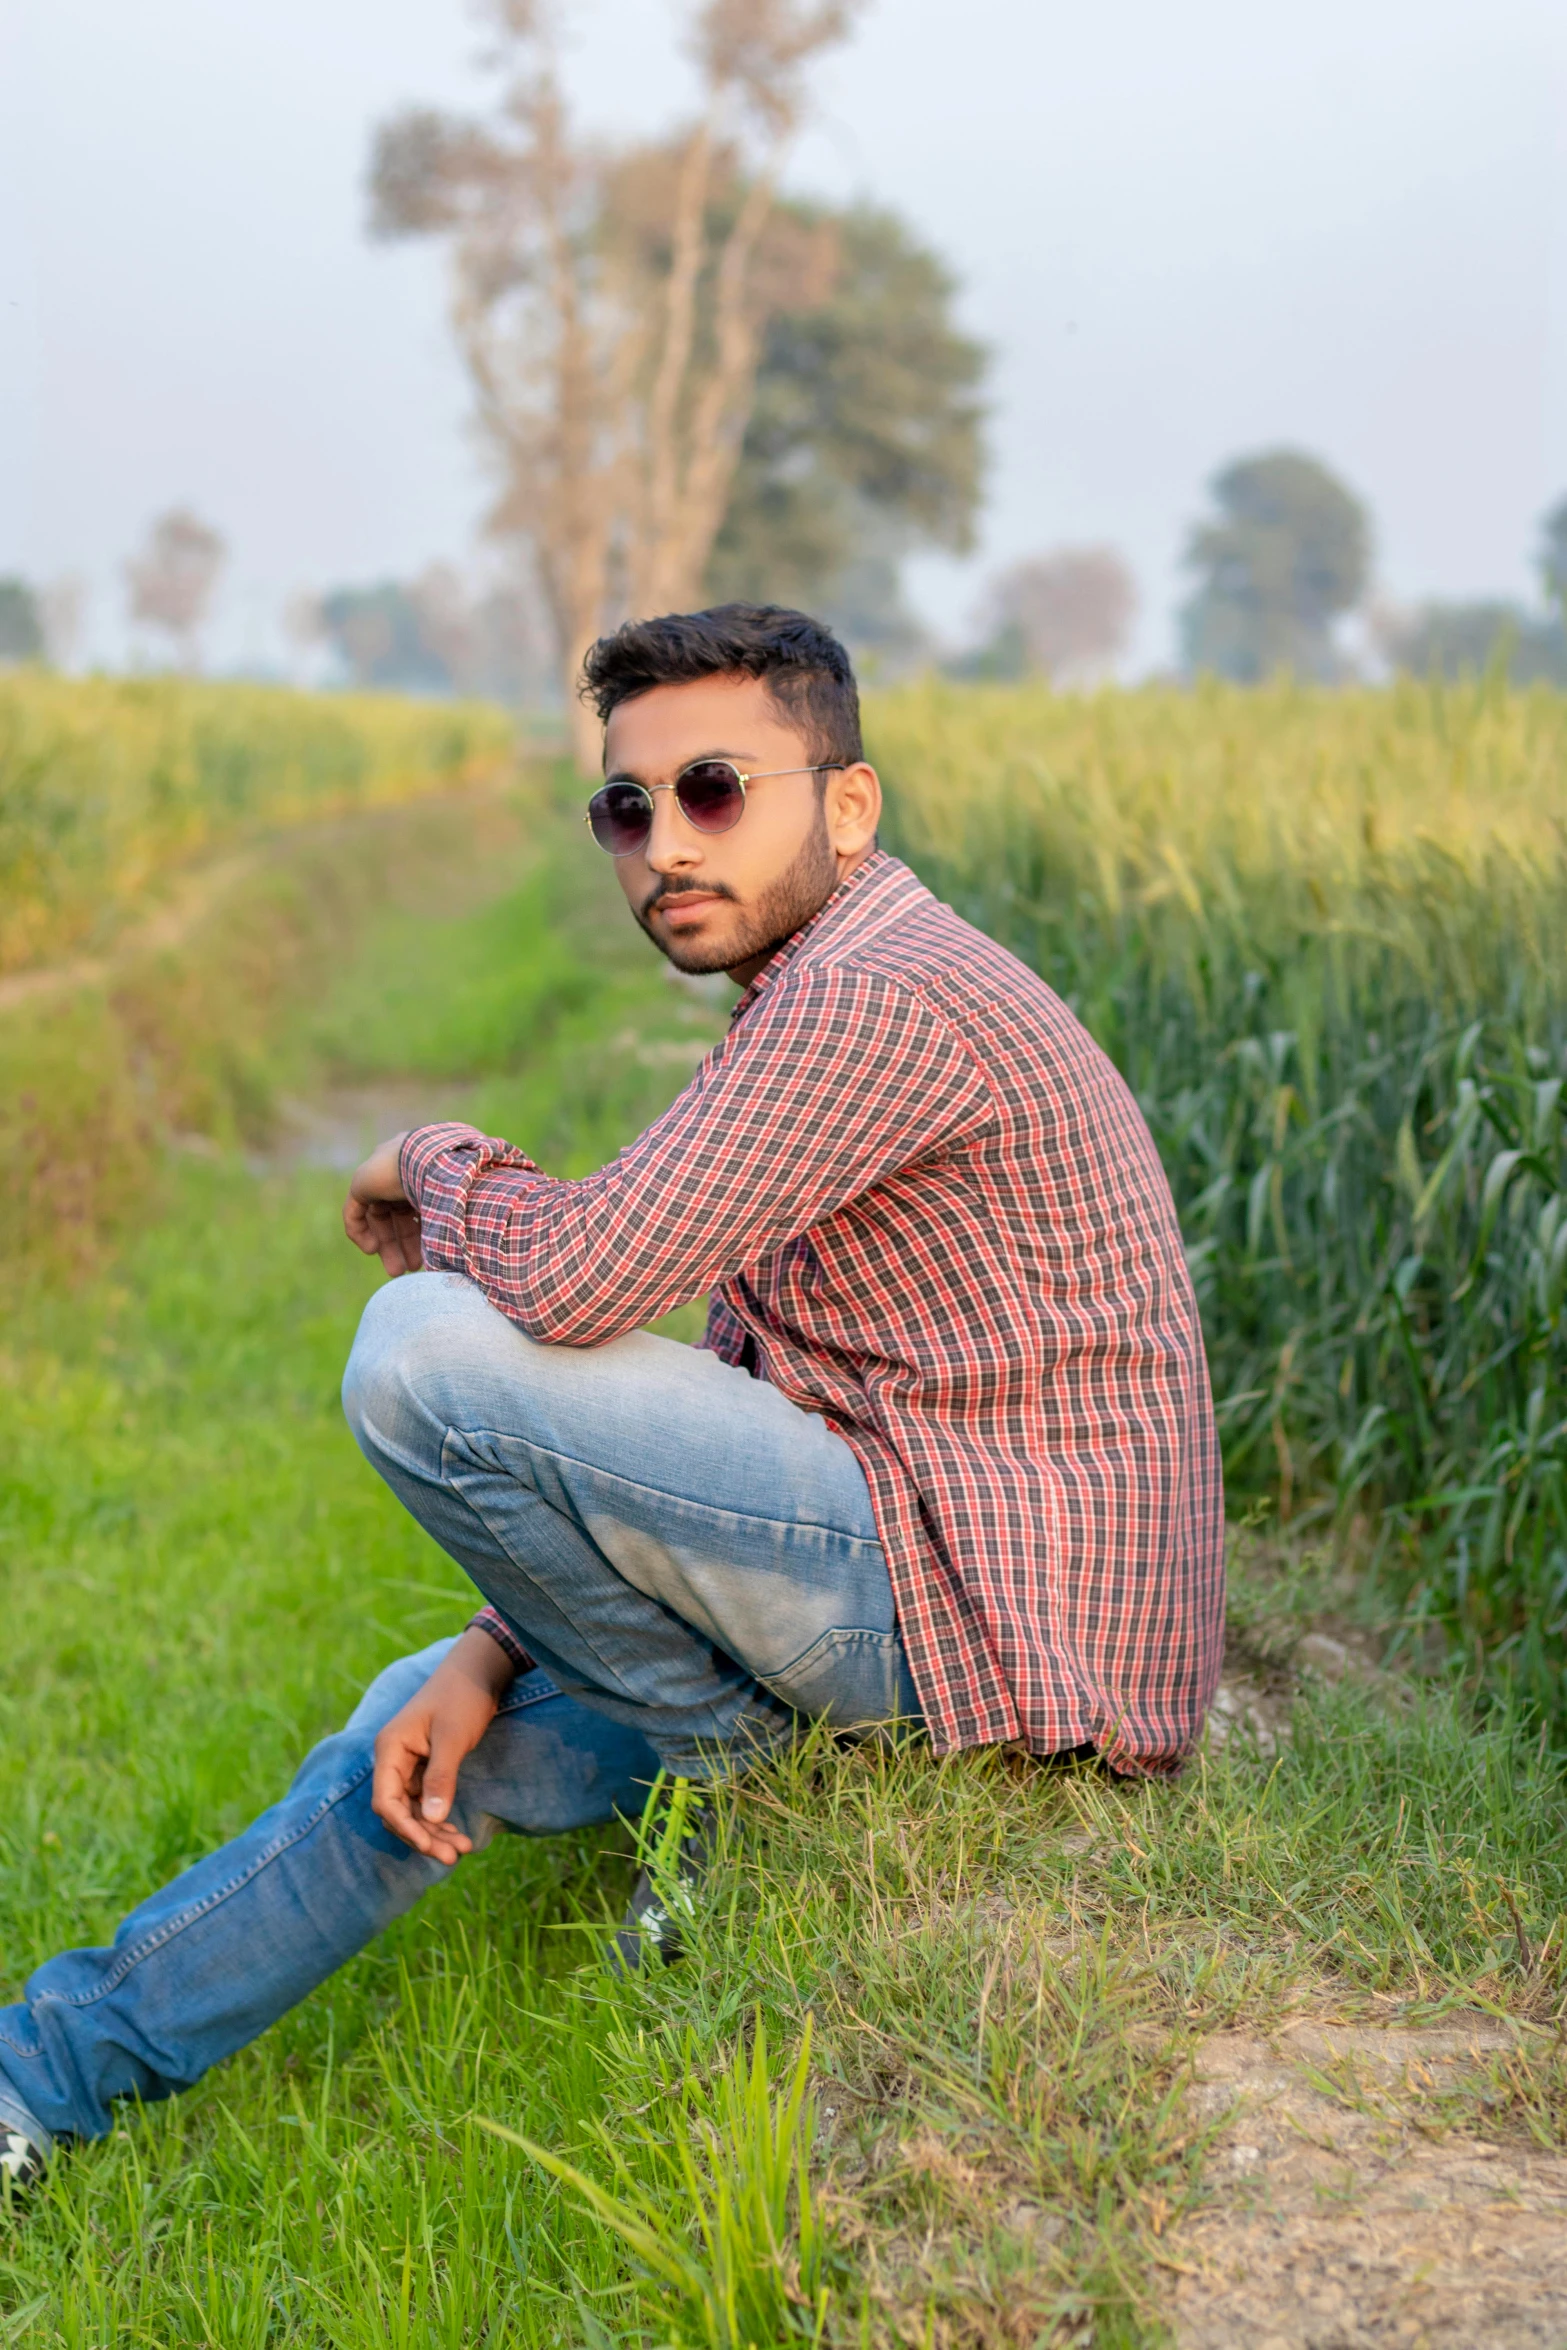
(426, 1344)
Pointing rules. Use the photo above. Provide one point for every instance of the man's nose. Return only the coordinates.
(672, 844)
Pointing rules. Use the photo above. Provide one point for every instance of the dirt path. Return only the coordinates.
(1356, 2206)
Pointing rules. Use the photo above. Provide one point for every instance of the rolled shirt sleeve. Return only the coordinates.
(829, 1081)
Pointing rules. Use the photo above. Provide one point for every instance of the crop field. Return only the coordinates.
(1323, 936)
(106, 783)
(934, 2073)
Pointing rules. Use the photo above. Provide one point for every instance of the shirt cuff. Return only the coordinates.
(438, 1167)
(424, 1146)
(491, 1621)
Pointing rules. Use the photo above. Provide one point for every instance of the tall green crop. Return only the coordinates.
(1325, 938)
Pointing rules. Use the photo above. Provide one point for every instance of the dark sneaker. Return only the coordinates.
(21, 2160)
(676, 1840)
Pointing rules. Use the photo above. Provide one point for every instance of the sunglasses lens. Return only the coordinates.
(711, 795)
(620, 817)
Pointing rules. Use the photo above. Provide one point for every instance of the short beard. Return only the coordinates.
(784, 907)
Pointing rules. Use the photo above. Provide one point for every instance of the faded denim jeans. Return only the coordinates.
(691, 1559)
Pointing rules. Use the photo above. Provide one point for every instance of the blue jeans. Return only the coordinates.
(691, 1559)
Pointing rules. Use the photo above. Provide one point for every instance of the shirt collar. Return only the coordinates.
(878, 886)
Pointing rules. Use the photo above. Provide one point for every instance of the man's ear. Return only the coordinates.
(853, 808)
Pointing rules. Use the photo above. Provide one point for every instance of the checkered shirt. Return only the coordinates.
(926, 1206)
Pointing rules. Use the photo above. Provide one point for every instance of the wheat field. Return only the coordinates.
(105, 782)
(1322, 934)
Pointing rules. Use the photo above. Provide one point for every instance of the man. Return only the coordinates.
(945, 1458)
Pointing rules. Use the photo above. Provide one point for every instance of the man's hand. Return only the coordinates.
(418, 1753)
(377, 1214)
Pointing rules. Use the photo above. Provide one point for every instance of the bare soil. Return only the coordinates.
(1353, 2207)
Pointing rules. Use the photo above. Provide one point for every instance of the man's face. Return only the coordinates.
(723, 901)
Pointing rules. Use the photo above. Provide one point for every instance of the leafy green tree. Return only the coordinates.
(1286, 555)
(611, 303)
(378, 635)
(21, 622)
(1553, 555)
(865, 439)
(1467, 640)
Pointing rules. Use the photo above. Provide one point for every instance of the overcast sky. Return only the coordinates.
(1186, 232)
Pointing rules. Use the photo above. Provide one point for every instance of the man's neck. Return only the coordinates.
(743, 973)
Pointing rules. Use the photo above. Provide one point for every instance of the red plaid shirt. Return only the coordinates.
(927, 1207)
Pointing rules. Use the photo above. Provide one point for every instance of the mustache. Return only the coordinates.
(666, 890)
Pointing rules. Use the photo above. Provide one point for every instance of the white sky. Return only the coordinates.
(1186, 231)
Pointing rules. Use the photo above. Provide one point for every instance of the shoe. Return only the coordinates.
(676, 1840)
(22, 2160)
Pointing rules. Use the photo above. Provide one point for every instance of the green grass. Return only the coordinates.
(922, 2080)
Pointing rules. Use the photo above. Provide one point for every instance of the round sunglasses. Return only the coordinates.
(710, 795)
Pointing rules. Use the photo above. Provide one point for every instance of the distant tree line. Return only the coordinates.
(1064, 616)
(39, 624)
(1285, 559)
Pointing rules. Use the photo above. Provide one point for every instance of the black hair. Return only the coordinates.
(805, 669)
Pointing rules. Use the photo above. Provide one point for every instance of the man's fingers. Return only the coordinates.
(390, 1233)
(440, 1774)
(389, 1791)
(398, 1763)
(384, 1228)
(357, 1224)
(392, 1798)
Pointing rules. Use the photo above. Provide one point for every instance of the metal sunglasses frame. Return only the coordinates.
(763, 775)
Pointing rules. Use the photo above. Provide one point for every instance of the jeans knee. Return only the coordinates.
(378, 1360)
(413, 1334)
(431, 1355)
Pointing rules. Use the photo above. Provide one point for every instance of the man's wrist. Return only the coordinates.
(481, 1658)
(493, 1624)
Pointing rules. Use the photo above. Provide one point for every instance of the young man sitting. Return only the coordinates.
(946, 1456)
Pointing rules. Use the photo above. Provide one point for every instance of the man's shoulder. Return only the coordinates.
(904, 939)
(914, 951)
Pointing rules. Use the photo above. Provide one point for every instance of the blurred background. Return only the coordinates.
(1074, 273)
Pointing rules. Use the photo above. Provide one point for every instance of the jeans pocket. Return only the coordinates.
(852, 1679)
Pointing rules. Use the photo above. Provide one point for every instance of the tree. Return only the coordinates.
(378, 636)
(864, 438)
(1064, 616)
(61, 608)
(430, 635)
(610, 306)
(1553, 556)
(1287, 555)
(1467, 640)
(21, 622)
(171, 584)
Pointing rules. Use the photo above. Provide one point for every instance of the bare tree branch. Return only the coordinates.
(610, 306)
